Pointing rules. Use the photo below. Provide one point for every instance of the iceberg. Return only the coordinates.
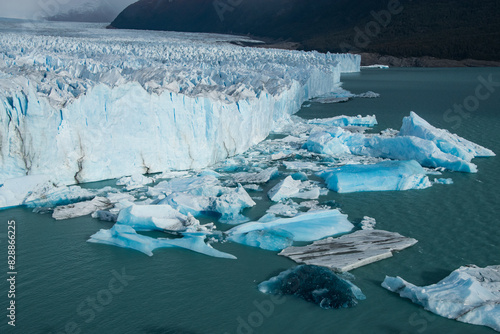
(259, 178)
(289, 188)
(344, 121)
(470, 294)
(316, 285)
(84, 110)
(417, 140)
(309, 226)
(159, 218)
(81, 209)
(134, 181)
(350, 251)
(272, 240)
(126, 237)
(447, 142)
(383, 176)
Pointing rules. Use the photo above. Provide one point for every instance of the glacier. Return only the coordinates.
(316, 285)
(469, 294)
(383, 176)
(91, 104)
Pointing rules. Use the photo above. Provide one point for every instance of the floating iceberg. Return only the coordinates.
(126, 237)
(308, 226)
(350, 251)
(344, 121)
(81, 209)
(261, 177)
(273, 240)
(134, 181)
(470, 294)
(417, 140)
(447, 142)
(290, 188)
(86, 110)
(383, 176)
(13, 192)
(159, 218)
(314, 284)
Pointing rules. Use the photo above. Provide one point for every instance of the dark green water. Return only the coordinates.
(176, 291)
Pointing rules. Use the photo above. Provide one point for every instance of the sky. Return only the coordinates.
(29, 9)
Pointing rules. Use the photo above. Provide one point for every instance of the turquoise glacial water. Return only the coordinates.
(66, 285)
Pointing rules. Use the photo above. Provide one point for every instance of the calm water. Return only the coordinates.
(178, 291)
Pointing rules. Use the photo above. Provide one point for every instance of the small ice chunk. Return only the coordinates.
(231, 203)
(301, 165)
(273, 240)
(316, 285)
(134, 181)
(81, 209)
(261, 177)
(289, 188)
(288, 209)
(469, 294)
(368, 223)
(443, 181)
(252, 187)
(199, 185)
(383, 176)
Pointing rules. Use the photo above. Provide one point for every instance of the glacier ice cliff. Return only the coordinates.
(469, 294)
(97, 104)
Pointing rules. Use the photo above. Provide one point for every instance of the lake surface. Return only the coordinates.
(66, 285)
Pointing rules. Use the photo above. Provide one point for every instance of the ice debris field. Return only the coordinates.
(183, 123)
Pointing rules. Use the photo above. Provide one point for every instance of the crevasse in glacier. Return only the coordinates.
(99, 108)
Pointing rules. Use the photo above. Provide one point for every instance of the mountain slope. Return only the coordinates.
(454, 29)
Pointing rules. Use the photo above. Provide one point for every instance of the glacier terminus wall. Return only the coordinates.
(87, 104)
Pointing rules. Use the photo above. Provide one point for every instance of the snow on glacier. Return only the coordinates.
(383, 176)
(92, 104)
(469, 294)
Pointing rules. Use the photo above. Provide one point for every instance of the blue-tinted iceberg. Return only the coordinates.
(126, 237)
(314, 284)
(470, 294)
(417, 140)
(344, 121)
(383, 176)
(447, 142)
(273, 240)
(308, 226)
(158, 218)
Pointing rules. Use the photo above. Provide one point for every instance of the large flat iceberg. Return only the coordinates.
(470, 294)
(308, 226)
(383, 176)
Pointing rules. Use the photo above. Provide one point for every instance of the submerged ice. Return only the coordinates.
(316, 285)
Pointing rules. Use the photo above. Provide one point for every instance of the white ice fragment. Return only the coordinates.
(290, 188)
(469, 294)
(81, 209)
(134, 181)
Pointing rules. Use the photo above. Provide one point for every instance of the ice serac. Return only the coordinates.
(469, 294)
(91, 104)
(126, 237)
(383, 176)
(308, 226)
(316, 285)
(350, 251)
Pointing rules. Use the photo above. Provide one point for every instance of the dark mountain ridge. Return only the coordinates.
(451, 29)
